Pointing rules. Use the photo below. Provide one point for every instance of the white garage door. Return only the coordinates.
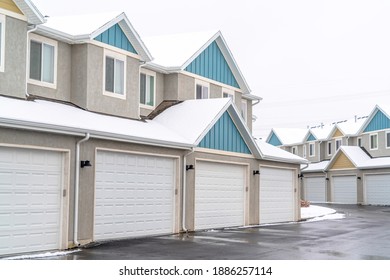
(377, 189)
(344, 189)
(219, 195)
(315, 189)
(277, 202)
(30, 200)
(134, 195)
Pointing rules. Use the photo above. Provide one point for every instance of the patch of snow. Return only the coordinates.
(315, 211)
(335, 216)
(42, 255)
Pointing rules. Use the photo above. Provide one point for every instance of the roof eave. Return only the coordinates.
(31, 12)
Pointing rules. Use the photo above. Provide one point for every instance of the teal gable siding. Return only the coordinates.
(311, 138)
(115, 36)
(225, 136)
(378, 122)
(211, 64)
(274, 140)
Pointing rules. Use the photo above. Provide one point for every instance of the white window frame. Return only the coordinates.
(2, 43)
(376, 144)
(244, 112)
(120, 57)
(387, 135)
(359, 139)
(304, 151)
(294, 150)
(203, 84)
(312, 151)
(329, 148)
(339, 140)
(228, 92)
(151, 74)
(46, 41)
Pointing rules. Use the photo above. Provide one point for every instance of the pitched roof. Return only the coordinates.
(315, 167)
(384, 108)
(271, 152)
(175, 52)
(31, 12)
(289, 136)
(82, 28)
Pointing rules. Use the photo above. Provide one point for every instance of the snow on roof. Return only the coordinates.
(351, 126)
(315, 167)
(77, 25)
(322, 132)
(271, 152)
(191, 118)
(68, 118)
(290, 136)
(174, 50)
(355, 154)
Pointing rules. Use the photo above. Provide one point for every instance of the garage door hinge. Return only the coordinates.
(176, 192)
(63, 193)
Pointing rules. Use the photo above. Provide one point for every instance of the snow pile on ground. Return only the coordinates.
(318, 213)
(41, 255)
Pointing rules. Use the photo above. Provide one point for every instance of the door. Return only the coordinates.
(377, 189)
(219, 195)
(344, 189)
(30, 200)
(134, 195)
(315, 189)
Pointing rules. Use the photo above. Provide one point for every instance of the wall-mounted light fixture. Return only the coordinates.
(85, 163)
(327, 179)
(190, 167)
(256, 172)
(300, 175)
(359, 178)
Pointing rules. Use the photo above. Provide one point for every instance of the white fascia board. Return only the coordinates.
(64, 130)
(33, 15)
(252, 97)
(285, 160)
(369, 119)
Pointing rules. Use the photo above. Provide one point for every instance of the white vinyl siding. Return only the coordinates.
(277, 201)
(219, 195)
(30, 200)
(2, 42)
(43, 61)
(147, 89)
(134, 195)
(114, 74)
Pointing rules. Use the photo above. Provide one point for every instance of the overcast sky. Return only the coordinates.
(311, 61)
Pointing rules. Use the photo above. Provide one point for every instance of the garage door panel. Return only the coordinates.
(377, 189)
(345, 189)
(276, 195)
(30, 199)
(134, 195)
(219, 195)
(315, 189)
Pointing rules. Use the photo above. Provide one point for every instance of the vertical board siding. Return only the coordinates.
(10, 6)
(311, 138)
(342, 162)
(274, 140)
(212, 65)
(378, 122)
(115, 36)
(225, 136)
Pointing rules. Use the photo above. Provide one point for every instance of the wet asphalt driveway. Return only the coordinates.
(364, 233)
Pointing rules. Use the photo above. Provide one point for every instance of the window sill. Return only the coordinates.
(42, 84)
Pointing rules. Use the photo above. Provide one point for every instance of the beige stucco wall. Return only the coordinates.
(13, 79)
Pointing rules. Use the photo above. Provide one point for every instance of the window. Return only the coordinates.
(387, 139)
(312, 149)
(294, 150)
(244, 109)
(359, 142)
(304, 151)
(329, 146)
(373, 141)
(43, 61)
(114, 74)
(147, 88)
(228, 93)
(338, 144)
(2, 42)
(201, 90)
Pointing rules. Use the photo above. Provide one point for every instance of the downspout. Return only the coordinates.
(184, 188)
(76, 190)
(27, 57)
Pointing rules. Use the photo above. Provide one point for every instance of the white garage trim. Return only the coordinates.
(34, 234)
(208, 213)
(170, 197)
(377, 188)
(273, 207)
(344, 189)
(315, 188)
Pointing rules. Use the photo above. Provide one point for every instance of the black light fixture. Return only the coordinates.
(327, 179)
(85, 163)
(359, 178)
(190, 167)
(300, 175)
(256, 172)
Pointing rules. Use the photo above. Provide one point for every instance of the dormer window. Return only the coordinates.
(114, 74)
(43, 61)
